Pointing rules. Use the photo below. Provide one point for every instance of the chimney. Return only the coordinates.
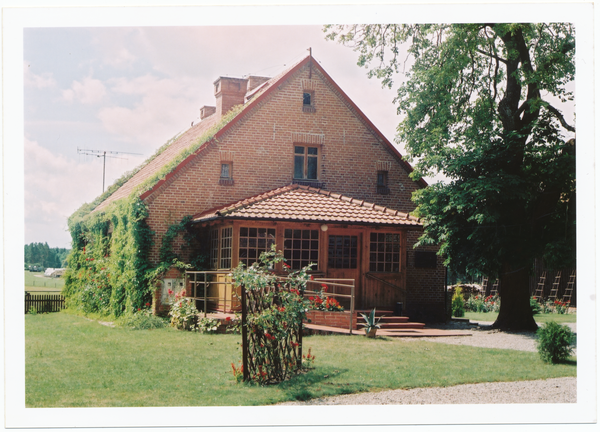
(229, 92)
(255, 81)
(206, 111)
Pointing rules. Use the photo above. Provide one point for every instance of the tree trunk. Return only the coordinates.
(515, 312)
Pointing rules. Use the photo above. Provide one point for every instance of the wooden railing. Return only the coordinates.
(201, 284)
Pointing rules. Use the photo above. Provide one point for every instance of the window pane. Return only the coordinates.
(225, 171)
(298, 167)
(306, 98)
(312, 168)
(313, 150)
(299, 150)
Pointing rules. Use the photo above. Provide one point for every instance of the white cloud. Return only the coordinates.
(45, 80)
(54, 188)
(111, 46)
(87, 92)
(166, 107)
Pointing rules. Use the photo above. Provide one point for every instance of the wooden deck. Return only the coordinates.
(409, 332)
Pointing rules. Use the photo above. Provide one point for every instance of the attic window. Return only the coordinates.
(226, 178)
(382, 183)
(308, 101)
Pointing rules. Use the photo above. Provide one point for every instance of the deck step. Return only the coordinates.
(402, 325)
(378, 312)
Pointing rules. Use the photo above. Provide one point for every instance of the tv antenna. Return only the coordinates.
(103, 154)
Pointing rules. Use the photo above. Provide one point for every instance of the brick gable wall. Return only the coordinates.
(261, 146)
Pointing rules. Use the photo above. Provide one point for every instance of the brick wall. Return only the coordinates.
(425, 287)
(332, 319)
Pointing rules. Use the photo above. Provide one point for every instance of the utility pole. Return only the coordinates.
(103, 154)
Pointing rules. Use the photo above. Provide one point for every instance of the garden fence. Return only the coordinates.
(44, 303)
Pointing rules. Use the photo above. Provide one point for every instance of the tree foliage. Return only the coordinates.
(40, 254)
(481, 104)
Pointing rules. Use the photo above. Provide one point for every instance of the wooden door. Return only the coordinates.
(344, 260)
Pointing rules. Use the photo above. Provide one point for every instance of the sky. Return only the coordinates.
(130, 89)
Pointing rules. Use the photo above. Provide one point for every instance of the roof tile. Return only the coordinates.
(304, 203)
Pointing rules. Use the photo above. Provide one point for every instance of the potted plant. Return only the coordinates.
(371, 325)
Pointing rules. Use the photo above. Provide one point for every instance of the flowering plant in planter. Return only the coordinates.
(323, 302)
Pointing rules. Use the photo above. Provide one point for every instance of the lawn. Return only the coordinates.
(36, 282)
(75, 362)
(539, 318)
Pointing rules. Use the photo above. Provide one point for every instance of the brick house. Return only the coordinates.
(297, 165)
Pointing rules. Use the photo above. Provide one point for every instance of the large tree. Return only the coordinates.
(483, 106)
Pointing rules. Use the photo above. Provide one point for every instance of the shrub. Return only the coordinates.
(141, 320)
(183, 312)
(458, 303)
(535, 306)
(555, 342)
(208, 325)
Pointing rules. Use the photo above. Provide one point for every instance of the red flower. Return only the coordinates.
(139, 309)
(324, 287)
(312, 277)
(282, 309)
(228, 319)
(147, 304)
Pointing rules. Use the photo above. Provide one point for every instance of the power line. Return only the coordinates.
(103, 154)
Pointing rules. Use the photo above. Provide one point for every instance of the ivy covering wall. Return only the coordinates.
(108, 269)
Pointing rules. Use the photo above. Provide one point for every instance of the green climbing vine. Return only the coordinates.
(109, 271)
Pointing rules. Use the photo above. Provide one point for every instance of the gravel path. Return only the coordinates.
(555, 390)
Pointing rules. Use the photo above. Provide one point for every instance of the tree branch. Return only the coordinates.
(559, 117)
(491, 55)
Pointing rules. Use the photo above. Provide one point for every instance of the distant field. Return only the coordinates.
(36, 282)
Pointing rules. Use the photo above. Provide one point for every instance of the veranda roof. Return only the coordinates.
(307, 204)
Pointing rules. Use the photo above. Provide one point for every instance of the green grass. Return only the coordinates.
(75, 362)
(539, 318)
(42, 284)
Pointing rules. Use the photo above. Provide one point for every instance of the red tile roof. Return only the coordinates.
(306, 204)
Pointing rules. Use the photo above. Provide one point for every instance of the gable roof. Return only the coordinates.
(180, 147)
(307, 204)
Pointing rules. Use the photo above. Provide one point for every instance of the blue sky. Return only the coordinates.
(130, 89)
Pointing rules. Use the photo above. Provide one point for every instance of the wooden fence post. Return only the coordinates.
(245, 334)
